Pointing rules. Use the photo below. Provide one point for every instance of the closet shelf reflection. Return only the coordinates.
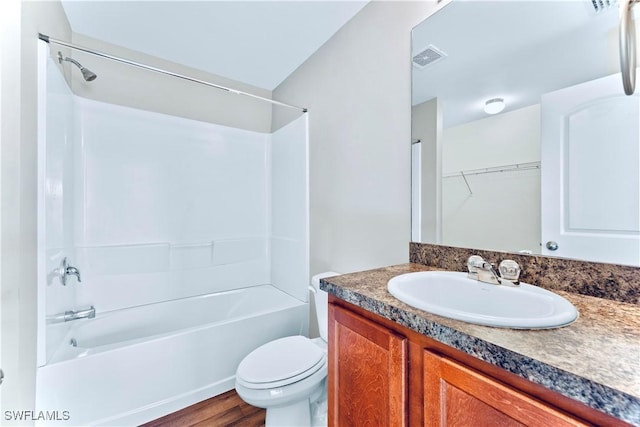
(505, 168)
(516, 167)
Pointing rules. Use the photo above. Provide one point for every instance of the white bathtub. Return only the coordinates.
(134, 365)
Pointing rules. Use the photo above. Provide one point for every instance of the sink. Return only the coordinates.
(454, 295)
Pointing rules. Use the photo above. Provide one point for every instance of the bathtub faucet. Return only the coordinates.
(67, 270)
(67, 316)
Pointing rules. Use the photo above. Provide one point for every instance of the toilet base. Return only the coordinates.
(319, 406)
(296, 414)
(310, 412)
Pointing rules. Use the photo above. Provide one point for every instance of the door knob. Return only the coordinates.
(552, 246)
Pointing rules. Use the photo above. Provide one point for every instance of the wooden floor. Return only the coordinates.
(228, 409)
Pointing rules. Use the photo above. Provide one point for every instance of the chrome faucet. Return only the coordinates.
(69, 315)
(67, 270)
(492, 277)
(483, 271)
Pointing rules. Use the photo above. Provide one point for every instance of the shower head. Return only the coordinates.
(86, 73)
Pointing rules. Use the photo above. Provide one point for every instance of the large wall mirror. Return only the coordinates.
(522, 137)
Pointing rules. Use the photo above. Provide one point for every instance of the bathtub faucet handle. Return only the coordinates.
(67, 270)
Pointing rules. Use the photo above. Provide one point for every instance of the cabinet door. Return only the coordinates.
(367, 372)
(455, 395)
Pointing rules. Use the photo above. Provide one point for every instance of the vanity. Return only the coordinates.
(392, 364)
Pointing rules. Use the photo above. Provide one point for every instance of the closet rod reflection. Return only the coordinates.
(506, 168)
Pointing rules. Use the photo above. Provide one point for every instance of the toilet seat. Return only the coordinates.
(280, 362)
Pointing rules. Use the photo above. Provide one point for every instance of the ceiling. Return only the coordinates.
(513, 49)
(256, 42)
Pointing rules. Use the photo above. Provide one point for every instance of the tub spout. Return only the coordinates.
(88, 313)
(67, 316)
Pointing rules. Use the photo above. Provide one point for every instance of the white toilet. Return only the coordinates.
(288, 376)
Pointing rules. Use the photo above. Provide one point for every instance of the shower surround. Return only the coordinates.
(192, 243)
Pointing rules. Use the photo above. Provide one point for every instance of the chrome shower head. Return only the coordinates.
(87, 74)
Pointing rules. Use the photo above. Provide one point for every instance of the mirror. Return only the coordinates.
(555, 172)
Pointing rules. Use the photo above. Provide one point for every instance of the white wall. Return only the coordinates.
(290, 208)
(21, 23)
(357, 87)
(503, 211)
(167, 207)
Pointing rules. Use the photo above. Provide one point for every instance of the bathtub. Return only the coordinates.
(130, 366)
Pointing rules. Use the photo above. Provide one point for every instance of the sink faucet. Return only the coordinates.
(483, 271)
(492, 277)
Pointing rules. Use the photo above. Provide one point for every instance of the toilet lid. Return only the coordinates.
(279, 360)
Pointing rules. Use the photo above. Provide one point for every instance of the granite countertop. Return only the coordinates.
(595, 360)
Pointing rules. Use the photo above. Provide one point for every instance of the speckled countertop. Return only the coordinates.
(595, 360)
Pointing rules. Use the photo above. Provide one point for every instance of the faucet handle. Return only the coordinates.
(509, 270)
(72, 271)
(474, 263)
(68, 270)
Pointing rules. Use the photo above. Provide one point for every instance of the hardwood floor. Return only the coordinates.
(228, 409)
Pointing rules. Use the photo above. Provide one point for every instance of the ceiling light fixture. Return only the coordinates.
(494, 106)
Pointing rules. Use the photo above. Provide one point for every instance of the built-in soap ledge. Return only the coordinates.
(123, 259)
(165, 257)
(191, 255)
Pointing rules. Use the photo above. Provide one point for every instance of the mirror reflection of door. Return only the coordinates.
(590, 175)
(426, 172)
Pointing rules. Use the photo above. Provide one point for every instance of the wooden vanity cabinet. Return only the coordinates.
(455, 395)
(367, 372)
(383, 374)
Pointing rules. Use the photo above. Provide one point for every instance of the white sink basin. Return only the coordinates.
(454, 295)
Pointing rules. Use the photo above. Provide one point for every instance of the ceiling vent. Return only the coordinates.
(600, 5)
(429, 56)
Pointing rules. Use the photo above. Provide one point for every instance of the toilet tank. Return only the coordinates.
(321, 299)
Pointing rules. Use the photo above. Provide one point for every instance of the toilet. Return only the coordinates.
(288, 376)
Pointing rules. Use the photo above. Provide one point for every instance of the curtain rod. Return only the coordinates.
(48, 39)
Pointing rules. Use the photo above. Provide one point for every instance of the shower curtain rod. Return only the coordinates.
(48, 39)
